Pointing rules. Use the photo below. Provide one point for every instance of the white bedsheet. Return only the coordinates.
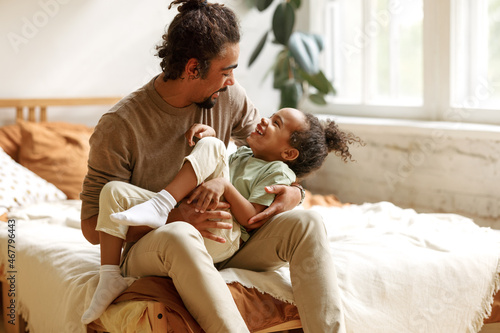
(398, 271)
(52, 288)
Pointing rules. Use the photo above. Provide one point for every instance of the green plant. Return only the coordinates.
(296, 69)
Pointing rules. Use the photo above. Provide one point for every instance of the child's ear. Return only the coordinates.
(290, 154)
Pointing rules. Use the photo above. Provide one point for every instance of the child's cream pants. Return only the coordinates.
(209, 160)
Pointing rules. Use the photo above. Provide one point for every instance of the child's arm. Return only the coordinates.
(208, 195)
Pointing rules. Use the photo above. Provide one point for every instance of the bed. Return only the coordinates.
(398, 270)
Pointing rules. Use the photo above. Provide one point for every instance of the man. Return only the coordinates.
(142, 141)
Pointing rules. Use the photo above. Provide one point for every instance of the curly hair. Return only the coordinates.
(201, 31)
(316, 141)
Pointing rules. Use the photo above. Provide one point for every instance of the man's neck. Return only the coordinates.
(174, 92)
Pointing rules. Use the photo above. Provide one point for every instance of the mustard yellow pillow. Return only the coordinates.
(57, 152)
(10, 140)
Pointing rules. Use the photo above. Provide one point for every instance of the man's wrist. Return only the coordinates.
(302, 192)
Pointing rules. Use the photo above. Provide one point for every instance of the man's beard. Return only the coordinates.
(210, 102)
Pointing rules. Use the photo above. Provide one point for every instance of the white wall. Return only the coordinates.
(82, 48)
(431, 167)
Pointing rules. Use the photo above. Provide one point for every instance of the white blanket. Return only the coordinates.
(56, 267)
(398, 271)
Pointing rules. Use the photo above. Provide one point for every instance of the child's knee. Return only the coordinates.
(211, 144)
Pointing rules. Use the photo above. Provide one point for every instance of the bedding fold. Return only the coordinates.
(398, 271)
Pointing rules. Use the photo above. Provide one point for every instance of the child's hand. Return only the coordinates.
(199, 131)
(208, 194)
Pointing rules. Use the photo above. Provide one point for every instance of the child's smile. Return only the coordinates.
(270, 140)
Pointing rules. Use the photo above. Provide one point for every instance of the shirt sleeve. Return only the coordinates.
(109, 159)
(246, 116)
(279, 174)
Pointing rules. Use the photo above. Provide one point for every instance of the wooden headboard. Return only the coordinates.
(39, 105)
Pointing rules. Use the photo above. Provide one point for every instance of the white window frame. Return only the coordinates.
(437, 80)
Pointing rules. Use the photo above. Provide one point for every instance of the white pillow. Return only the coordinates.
(20, 186)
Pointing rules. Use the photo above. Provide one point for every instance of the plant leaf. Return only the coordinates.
(281, 70)
(283, 22)
(295, 3)
(258, 49)
(305, 51)
(291, 93)
(318, 99)
(263, 4)
(318, 81)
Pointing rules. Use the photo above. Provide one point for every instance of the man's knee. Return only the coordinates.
(308, 221)
(179, 234)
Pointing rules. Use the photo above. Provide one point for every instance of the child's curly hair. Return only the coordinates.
(316, 141)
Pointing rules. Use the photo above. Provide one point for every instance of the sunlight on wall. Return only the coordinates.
(75, 48)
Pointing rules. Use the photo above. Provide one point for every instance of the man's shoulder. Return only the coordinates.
(235, 94)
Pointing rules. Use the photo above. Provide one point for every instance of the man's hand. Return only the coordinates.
(203, 221)
(207, 194)
(287, 198)
(199, 131)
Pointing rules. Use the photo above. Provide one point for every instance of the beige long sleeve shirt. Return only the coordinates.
(141, 139)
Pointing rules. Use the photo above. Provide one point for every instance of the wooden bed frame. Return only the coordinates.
(35, 110)
(39, 105)
(28, 109)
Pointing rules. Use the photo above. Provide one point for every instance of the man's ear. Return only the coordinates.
(192, 69)
(290, 154)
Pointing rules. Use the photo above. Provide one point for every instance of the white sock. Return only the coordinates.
(111, 284)
(152, 213)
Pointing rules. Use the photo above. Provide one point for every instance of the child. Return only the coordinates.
(287, 146)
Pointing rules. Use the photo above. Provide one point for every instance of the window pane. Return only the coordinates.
(343, 48)
(398, 68)
(475, 54)
(494, 50)
(376, 50)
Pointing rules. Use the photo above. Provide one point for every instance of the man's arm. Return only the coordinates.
(287, 198)
(202, 221)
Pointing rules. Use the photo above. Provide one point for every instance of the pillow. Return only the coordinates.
(57, 152)
(329, 200)
(10, 140)
(19, 186)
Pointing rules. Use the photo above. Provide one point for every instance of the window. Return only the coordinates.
(415, 59)
(476, 62)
